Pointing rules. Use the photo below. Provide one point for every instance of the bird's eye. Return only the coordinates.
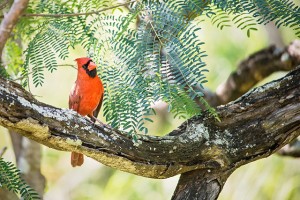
(85, 66)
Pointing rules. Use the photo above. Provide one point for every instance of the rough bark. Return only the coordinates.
(207, 160)
(255, 68)
(249, 72)
(254, 126)
(206, 185)
(252, 70)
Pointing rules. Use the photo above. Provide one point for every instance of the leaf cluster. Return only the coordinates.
(147, 51)
(10, 178)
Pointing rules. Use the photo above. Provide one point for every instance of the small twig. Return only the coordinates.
(2, 151)
(21, 77)
(67, 65)
(74, 14)
(63, 65)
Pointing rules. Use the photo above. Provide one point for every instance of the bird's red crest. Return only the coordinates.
(82, 61)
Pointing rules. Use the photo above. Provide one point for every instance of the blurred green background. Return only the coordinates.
(275, 178)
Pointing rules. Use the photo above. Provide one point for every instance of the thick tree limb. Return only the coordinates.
(206, 185)
(249, 72)
(254, 126)
(211, 153)
(10, 20)
(255, 68)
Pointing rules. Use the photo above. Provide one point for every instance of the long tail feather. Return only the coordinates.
(76, 159)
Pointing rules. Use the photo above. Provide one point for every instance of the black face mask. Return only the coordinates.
(91, 73)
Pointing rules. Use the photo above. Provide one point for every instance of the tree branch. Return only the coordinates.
(260, 64)
(10, 20)
(255, 68)
(207, 185)
(252, 127)
(74, 14)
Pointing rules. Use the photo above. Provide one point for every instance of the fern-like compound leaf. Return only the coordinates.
(150, 51)
(10, 178)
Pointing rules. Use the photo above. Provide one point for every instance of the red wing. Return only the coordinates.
(74, 99)
(97, 110)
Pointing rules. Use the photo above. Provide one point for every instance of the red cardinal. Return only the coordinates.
(86, 96)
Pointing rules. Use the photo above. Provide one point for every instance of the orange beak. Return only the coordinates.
(92, 66)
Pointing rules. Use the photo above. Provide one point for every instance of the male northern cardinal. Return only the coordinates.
(86, 96)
